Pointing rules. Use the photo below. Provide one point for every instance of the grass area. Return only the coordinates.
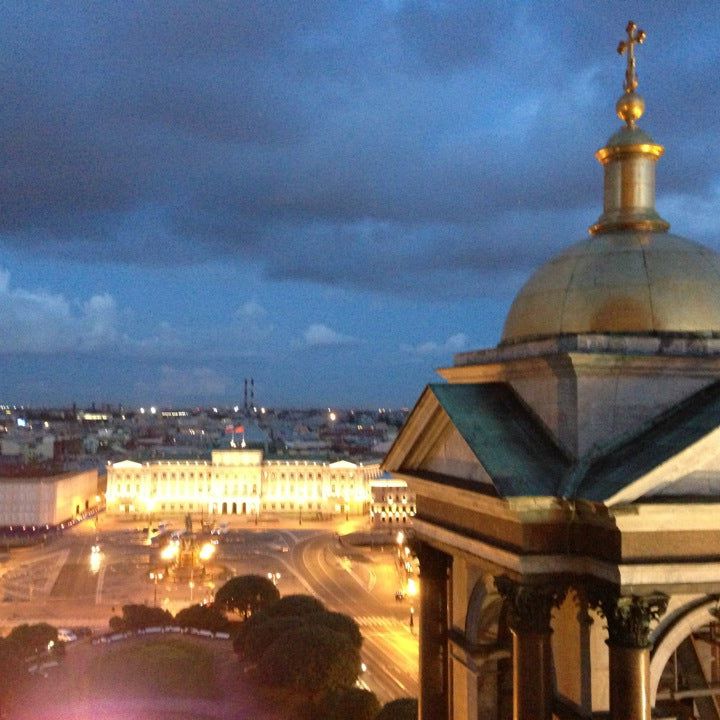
(163, 666)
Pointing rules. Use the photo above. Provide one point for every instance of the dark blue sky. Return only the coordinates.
(330, 197)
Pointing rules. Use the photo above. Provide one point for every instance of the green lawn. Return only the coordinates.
(162, 666)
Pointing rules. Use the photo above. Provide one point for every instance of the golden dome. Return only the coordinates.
(631, 276)
(625, 282)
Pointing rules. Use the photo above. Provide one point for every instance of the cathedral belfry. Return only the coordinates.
(568, 480)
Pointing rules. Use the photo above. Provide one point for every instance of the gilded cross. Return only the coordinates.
(635, 36)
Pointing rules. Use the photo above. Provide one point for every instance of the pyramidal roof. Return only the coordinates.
(516, 455)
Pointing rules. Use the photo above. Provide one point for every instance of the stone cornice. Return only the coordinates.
(628, 577)
(664, 345)
(574, 363)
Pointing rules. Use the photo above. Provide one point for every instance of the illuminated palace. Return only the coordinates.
(239, 482)
(567, 481)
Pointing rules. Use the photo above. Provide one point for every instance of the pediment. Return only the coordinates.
(126, 464)
(450, 456)
(479, 434)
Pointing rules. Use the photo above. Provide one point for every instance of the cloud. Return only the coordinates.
(42, 322)
(251, 309)
(454, 344)
(183, 383)
(331, 143)
(319, 335)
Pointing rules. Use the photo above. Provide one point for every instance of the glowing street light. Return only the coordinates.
(206, 551)
(155, 576)
(170, 551)
(412, 587)
(274, 576)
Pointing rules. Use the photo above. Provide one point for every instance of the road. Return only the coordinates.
(56, 583)
(363, 587)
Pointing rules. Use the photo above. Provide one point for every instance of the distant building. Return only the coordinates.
(43, 498)
(392, 501)
(239, 482)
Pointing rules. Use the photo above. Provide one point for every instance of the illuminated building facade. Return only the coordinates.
(47, 499)
(393, 503)
(239, 482)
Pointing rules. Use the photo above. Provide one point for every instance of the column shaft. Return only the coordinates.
(433, 701)
(532, 676)
(629, 683)
(528, 615)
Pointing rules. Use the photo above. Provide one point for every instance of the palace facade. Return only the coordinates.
(239, 482)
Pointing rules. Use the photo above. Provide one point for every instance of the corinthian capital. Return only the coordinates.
(628, 617)
(529, 606)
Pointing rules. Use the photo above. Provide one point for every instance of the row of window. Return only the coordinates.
(392, 509)
(270, 476)
(279, 491)
(233, 509)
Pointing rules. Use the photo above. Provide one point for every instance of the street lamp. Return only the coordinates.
(412, 588)
(206, 552)
(170, 551)
(274, 576)
(155, 576)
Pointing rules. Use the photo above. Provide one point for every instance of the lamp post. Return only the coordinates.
(155, 576)
(412, 592)
(274, 576)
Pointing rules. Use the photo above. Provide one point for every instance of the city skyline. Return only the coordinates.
(331, 199)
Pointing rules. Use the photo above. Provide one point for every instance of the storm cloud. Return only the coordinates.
(426, 153)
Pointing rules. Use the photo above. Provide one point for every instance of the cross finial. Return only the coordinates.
(635, 36)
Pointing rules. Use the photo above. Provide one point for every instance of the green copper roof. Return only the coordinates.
(508, 440)
(522, 459)
(615, 467)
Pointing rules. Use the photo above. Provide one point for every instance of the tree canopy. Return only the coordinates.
(135, 617)
(32, 639)
(400, 709)
(259, 632)
(246, 594)
(339, 622)
(350, 703)
(203, 617)
(296, 606)
(263, 634)
(311, 658)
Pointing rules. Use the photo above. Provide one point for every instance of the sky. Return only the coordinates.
(332, 198)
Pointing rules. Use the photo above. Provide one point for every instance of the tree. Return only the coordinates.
(348, 704)
(246, 594)
(136, 617)
(296, 606)
(203, 617)
(311, 658)
(32, 639)
(262, 634)
(400, 709)
(340, 623)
